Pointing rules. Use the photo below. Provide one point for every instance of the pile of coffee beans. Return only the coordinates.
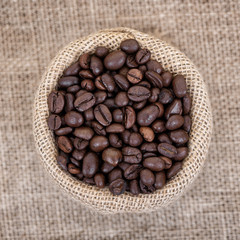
(120, 120)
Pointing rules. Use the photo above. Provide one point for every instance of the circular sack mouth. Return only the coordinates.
(172, 60)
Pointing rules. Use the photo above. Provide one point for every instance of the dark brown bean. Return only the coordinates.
(75, 162)
(187, 123)
(139, 105)
(165, 96)
(134, 187)
(73, 169)
(84, 61)
(80, 93)
(135, 139)
(80, 143)
(125, 136)
(182, 153)
(160, 180)
(122, 82)
(158, 126)
(88, 114)
(110, 103)
(117, 187)
(154, 95)
(143, 69)
(88, 85)
(63, 131)
(160, 109)
(103, 115)
(115, 128)
(65, 82)
(98, 128)
(146, 189)
(108, 82)
(78, 154)
(129, 46)
(166, 78)
(56, 102)
(154, 164)
(86, 74)
(179, 136)
(62, 161)
(84, 102)
(147, 115)
(149, 154)
(129, 117)
(54, 122)
(115, 141)
(89, 181)
(172, 171)
(100, 96)
(167, 150)
(147, 177)
(106, 167)
(154, 78)
(112, 156)
(123, 165)
(98, 143)
(69, 100)
(134, 76)
(121, 99)
(72, 70)
(145, 84)
(168, 162)
(143, 56)
(138, 93)
(73, 89)
(187, 104)
(155, 66)
(131, 62)
(85, 133)
(99, 180)
(90, 164)
(65, 144)
(179, 86)
(118, 116)
(147, 133)
(131, 155)
(101, 52)
(73, 119)
(116, 173)
(132, 171)
(115, 60)
(149, 147)
(174, 122)
(96, 65)
(174, 108)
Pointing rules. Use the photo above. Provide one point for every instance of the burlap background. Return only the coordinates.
(31, 206)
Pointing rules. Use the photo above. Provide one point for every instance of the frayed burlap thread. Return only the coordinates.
(171, 59)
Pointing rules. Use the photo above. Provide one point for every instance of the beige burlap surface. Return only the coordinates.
(31, 205)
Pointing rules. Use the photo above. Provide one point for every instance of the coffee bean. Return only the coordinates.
(155, 66)
(134, 76)
(147, 177)
(65, 82)
(69, 100)
(110, 103)
(73, 169)
(88, 85)
(143, 56)
(75, 162)
(167, 150)
(88, 114)
(132, 171)
(139, 105)
(131, 62)
(84, 61)
(117, 187)
(73, 89)
(134, 187)
(149, 154)
(106, 167)
(154, 78)
(63, 131)
(103, 115)
(72, 70)
(62, 161)
(174, 122)
(90, 164)
(166, 79)
(135, 128)
(98, 128)
(147, 115)
(147, 133)
(73, 119)
(154, 164)
(55, 102)
(100, 96)
(112, 156)
(80, 93)
(115, 60)
(179, 136)
(174, 108)
(143, 69)
(160, 180)
(131, 155)
(54, 122)
(80, 143)
(123, 71)
(108, 82)
(99, 84)
(160, 109)
(146, 189)
(96, 65)
(101, 52)
(129, 117)
(121, 99)
(149, 147)
(125, 136)
(78, 154)
(158, 126)
(84, 102)
(122, 82)
(165, 96)
(86, 74)
(187, 123)
(129, 46)
(182, 153)
(98, 143)
(187, 104)
(99, 180)
(115, 128)
(79, 176)
(89, 181)
(115, 141)
(154, 95)
(65, 144)
(138, 93)
(135, 139)
(144, 84)
(116, 173)
(123, 165)
(118, 116)
(179, 86)
(85, 133)
(172, 171)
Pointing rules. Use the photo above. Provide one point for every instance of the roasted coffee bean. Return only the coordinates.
(131, 155)
(84, 61)
(116, 173)
(155, 66)
(146, 189)
(65, 82)
(62, 161)
(98, 143)
(78, 154)
(79, 176)
(147, 115)
(129, 46)
(134, 76)
(158, 126)
(89, 181)
(147, 177)
(98, 128)
(84, 102)
(115, 141)
(154, 95)
(149, 147)
(80, 93)
(149, 154)
(167, 150)
(117, 187)
(187, 123)
(88, 85)
(73, 119)
(165, 96)
(174, 108)
(172, 171)
(160, 180)
(138, 93)
(125, 136)
(131, 62)
(143, 56)
(72, 70)
(118, 116)
(179, 86)
(54, 122)
(103, 115)
(115, 128)
(144, 84)
(101, 52)
(63, 131)
(123, 71)
(100, 96)
(121, 81)
(90, 164)
(108, 82)
(112, 156)
(135, 139)
(160, 109)
(174, 122)
(123, 165)
(121, 99)
(65, 144)
(134, 187)
(99, 180)
(168, 162)
(69, 100)
(86, 74)
(75, 162)
(166, 79)
(154, 164)
(106, 167)
(182, 153)
(143, 69)
(88, 114)
(110, 103)
(73, 169)
(179, 136)
(147, 133)
(99, 84)
(85, 133)
(154, 78)
(187, 104)
(139, 105)
(132, 171)
(115, 60)
(135, 128)
(56, 102)
(73, 89)
(80, 143)
(96, 65)
(129, 117)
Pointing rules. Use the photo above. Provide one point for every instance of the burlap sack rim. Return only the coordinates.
(89, 195)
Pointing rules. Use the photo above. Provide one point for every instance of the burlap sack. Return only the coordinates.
(172, 60)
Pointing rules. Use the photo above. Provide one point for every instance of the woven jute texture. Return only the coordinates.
(32, 206)
(173, 61)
